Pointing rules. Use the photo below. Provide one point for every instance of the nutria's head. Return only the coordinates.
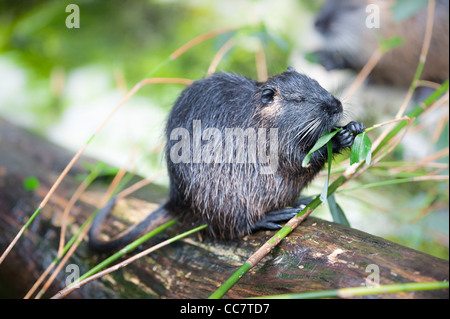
(299, 107)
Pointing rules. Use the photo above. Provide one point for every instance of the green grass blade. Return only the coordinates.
(126, 249)
(337, 212)
(92, 276)
(324, 194)
(363, 291)
(319, 144)
(282, 233)
(227, 285)
(414, 113)
(378, 184)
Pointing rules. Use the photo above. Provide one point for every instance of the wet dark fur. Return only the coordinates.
(235, 199)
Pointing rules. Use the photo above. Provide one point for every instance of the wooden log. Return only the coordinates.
(318, 255)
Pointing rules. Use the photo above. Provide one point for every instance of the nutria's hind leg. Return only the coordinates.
(271, 220)
(302, 202)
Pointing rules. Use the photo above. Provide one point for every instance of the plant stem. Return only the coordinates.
(265, 249)
(414, 113)
(362, 291)
(396, 181)
(83, 186)
(234, 278)
(422, 58)
(86, 279)
(58, 258)
(19, 234)
(200, 39)
(126, 249)
(368, 67)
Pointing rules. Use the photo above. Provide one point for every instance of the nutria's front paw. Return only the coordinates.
(346, 136)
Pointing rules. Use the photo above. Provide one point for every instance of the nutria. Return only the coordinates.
(349, 43)
(234, 153)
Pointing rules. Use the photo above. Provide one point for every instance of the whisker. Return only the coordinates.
(308, 134)
(311, 122)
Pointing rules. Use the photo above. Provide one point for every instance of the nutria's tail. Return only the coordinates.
(155, 219)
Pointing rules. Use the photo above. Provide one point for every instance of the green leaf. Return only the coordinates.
(266, 36)
(404, 9)
(31, 183)
(324, 194)
(391, 43)
(311, 57)
(336, 212)
(100, 168)
(320, 142)
(361, 149)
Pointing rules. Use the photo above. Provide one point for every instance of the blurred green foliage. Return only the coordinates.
(134, 36)
(129, 38)
(404, 9)
(31, 183)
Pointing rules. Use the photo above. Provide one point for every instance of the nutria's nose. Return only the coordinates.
(336, 106)
(322, 24)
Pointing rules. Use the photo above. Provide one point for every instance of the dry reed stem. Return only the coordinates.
(118, 177)
(65, 216)
(78, 240)
(440, 126)
(261, 63)
(429, 84)
(119, 78)
(391, 121)
(200, 39)
(363, 74)
(442, 101)
(12, 244)
(40, 280)
(394, 142)
(122, 264)
(67, 209)
(138, 185)
(219, 56)
(122, 194)
(430, 178)
(64, 260)
(270, 244)
(423, 54)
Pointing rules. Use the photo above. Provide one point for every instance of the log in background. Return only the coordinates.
(318, 255)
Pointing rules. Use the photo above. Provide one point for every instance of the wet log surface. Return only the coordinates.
(318, 255)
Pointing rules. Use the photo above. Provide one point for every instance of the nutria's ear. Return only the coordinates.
(291, 69)
(267, 95)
